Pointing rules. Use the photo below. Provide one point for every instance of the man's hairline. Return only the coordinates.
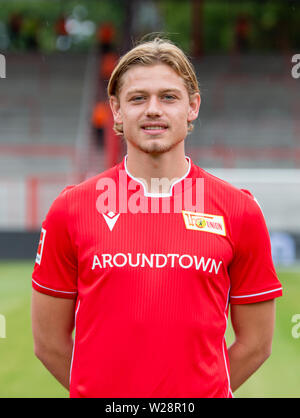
(119, 84)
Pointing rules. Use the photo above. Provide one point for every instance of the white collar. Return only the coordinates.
(147, 194)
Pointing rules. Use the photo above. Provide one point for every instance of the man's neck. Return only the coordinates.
(157, 172)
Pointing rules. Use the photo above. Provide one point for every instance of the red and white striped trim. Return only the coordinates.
(225, 348)
(53, 290)
(256, 294)
(75, 327)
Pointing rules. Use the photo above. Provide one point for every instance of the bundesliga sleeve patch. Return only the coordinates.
(204, 222)
(41, 246)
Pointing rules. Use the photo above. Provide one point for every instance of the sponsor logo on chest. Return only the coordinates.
(156, 261)
(204, 222)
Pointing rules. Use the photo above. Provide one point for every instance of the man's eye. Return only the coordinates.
(169, 97)
(137, 98)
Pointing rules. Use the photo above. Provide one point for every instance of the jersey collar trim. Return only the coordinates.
(147, 194)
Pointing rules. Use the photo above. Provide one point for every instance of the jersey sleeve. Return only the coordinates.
(55, 269)
(252, 272)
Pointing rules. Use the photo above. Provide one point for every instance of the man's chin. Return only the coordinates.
(154, 147)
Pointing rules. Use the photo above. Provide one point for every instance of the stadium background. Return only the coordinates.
(55, 130)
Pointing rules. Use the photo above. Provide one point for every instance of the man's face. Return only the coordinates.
(154, 108)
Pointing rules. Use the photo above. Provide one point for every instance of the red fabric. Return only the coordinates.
(152, 294)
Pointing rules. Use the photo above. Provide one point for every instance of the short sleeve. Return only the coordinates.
(55, 270)
(252, 272)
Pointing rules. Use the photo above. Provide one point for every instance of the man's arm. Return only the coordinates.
(52, 326)
(253, 325)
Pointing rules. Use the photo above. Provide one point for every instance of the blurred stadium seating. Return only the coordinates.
(43, 95)
(249, 115)
(45, 105)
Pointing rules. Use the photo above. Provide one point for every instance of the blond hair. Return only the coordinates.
(156, 51)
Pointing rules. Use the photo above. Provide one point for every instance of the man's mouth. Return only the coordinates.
(154, 128)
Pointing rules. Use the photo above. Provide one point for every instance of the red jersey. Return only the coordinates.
(153, 276)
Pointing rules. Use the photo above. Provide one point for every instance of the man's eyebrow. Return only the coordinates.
(171, 90)
(135, 91)
(161, 91)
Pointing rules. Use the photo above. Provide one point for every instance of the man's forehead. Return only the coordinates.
(158, 76)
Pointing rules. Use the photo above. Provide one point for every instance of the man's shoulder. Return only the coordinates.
(90, 184)
(75, 197)
(229, 199)
(217, 184)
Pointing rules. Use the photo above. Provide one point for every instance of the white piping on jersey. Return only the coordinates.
(75, 322)
(53, 290)
(255, 294)
(147, 194)
(223, 347)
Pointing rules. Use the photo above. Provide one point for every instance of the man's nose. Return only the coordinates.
(154, 107)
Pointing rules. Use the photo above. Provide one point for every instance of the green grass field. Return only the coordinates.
(22, 375)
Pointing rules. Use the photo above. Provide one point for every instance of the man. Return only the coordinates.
(143, 272)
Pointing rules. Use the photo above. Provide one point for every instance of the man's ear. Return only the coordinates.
(115, 108)
(195, 102)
